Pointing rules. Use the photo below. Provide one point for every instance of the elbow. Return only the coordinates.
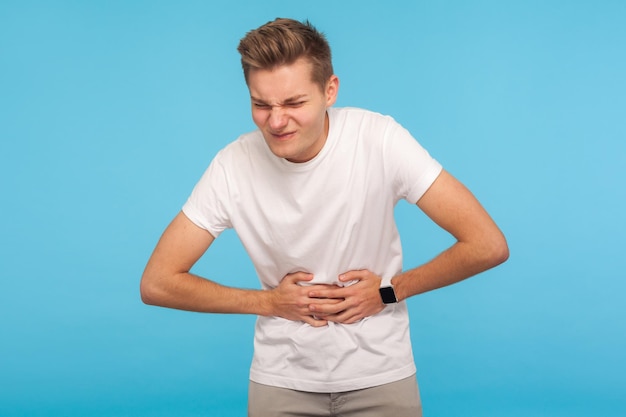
(146, 293)
(149, 292)
(489, 251)
(497, 252)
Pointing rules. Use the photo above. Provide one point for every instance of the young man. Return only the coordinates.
(311, 194)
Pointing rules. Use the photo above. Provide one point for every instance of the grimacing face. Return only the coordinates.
(290, 109)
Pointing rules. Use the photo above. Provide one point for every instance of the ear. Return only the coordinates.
(332, 89)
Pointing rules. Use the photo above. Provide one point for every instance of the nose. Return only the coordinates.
(278, 118)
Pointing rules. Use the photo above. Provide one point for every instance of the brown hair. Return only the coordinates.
(282, 42)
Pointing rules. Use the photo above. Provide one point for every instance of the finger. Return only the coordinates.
(324, 309)
(315, 321)
(325, 291)
(345, 317)
(356, 274)
(298, 276)
(303, 277)
(324, 301)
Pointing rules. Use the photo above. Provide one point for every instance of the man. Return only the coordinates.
(311, 195)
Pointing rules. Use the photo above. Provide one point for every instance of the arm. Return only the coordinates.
(479, 245)
(167, 281)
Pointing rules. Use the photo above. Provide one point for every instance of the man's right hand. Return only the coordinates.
(291, 301)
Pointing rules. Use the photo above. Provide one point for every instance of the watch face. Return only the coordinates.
(388, 295)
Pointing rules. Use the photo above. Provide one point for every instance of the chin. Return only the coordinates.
(282, 152)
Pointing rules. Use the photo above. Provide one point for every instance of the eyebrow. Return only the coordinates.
(290, 100)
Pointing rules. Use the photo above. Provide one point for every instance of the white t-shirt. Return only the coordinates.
(327, 216)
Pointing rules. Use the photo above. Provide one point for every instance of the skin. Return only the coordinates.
(290, 111)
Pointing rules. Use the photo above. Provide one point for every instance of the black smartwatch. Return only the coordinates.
(388, 295)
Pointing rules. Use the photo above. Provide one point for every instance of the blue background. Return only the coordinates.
(110, 112)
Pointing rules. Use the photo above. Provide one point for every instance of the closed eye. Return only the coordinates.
(295, 104)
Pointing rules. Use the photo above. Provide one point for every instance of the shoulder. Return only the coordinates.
(364, 125)
(358, 115)
(242, 148)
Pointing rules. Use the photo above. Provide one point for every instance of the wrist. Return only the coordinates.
(398, 288)
(267, 304)
(388, 295)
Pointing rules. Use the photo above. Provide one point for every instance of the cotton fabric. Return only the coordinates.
(327, 216)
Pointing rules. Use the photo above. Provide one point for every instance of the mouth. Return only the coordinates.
(283, 136)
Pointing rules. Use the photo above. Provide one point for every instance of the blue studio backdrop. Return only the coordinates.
(110, 112)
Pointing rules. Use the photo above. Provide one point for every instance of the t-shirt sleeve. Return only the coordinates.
(413, 170)
(208, 205)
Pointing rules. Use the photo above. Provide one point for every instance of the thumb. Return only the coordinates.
(298, 276)
(351, 275)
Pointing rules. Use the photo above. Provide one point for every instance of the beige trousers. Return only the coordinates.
(396, 399)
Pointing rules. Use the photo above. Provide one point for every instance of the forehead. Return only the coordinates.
(283, 81)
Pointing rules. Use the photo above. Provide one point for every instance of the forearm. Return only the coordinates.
(167, 282)
(460, 261)
(185, 291)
